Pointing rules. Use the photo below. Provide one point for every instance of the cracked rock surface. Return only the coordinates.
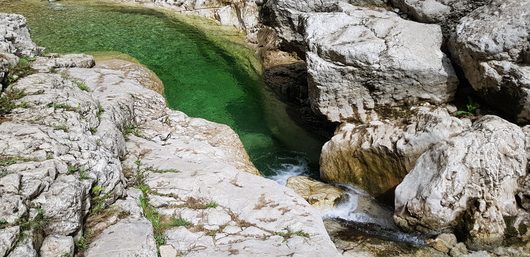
(92, 161)
(469, 180)
(365, 59)
(492, 45)
(377, 156)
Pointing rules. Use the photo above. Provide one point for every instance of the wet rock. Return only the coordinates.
(491, 45)
(444, 242)
(54, 246)
(378, 155)
(316, 193)
(360, 61)
(353, 244)
(469, 180)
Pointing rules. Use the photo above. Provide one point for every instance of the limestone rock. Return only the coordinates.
(316, 193)
(126, 238)
(54, 246)
(63, 205)
(8, 239)
(444, 242)
(285, 17)
(378, 155)
(14, 36)
(366, 60)
(438, 11)
(491, 45)
(468, 179)
(53, 61)
(241, 14)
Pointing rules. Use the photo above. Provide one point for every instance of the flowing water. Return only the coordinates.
(204, 76)
(212, 77)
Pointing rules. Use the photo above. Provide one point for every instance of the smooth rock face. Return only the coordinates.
(491, 45)
(126, 238)
(469, 180)
(368, 59)
(316, 193)
(377, 156)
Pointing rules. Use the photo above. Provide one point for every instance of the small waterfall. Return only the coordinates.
(287, 167)
(363, 214)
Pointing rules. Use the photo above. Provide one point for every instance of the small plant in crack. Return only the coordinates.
(179, 222)
(290, 234)
(82, 85)
(132, 129)
(99, 199)
(470, 109)
(8, 98)
(63, 106)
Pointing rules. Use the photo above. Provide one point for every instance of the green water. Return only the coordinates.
(203, 77)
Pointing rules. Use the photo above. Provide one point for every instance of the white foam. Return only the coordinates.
(287, 170)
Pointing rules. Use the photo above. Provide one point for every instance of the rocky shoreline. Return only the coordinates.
(93, 159)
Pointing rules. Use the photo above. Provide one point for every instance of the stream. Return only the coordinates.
(204, 76)
(208, 74)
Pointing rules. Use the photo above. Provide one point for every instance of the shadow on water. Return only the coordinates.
(202, 78)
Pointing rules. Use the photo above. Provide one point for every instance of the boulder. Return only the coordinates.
(377, 156)
(54, 246)
(316, 193)
(491, 46)
(468, 181)
(14, 36)
(438, 11)
(371, 59)
(285, 17)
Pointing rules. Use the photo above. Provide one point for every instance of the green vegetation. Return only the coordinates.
(470, 110)
(39, 222)
(179, 222)
(7, 100)
(62, 127)
(81, 244)
(22, 69)
(100, 112)
(3, 223)
(63, 106)
(290, 233)
(82, 85)
(74, 169)
(178, 48)
(132, 129)
(10, 160)
(99, 199)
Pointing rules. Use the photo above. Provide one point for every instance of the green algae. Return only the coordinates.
(207, 70)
